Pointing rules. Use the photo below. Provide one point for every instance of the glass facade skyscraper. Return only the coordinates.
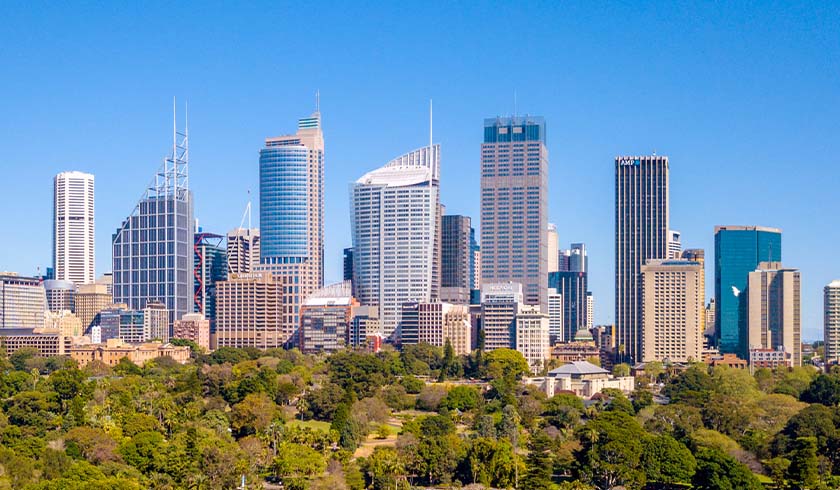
(292, 215)
(153, 248)
(572, 286)
(514, 205)
(738, 251)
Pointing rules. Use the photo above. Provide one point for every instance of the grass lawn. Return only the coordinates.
(312, 424)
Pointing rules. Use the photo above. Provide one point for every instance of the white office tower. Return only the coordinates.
(243, 250)
(590, 311)
(73, 228)
(555, 316)
(674, 244)
(553, 249)
(532, 337)
(396, 234)
(831, 325)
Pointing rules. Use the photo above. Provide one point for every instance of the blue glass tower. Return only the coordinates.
(738, 251)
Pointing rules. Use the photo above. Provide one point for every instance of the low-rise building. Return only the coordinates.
(435, 323)
(582, 378)
(113, 350)
(194, 327)
(770, 358)
(48, 343)
(64, 322)
(715, 359)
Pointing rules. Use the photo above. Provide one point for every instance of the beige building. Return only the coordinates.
(532, 338)
(64, 322)
(111, 352)
(155, 322)
(23, 301)
(48, 343)
(194, 327)
(243, 249)
(90, 300)
(251, 312)
(831, 323)
(582, 378)
(673, 310)
(435, 323)
(773, 310)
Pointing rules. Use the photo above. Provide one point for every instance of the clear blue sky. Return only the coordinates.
(744, 98)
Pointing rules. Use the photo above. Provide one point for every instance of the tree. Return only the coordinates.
(430, 397)
(667, 461)
(611, 446)
(691, 387)
(321, 403)
(253, 415)
(93, 444)
(539, 463)
(296, 464)
(717, 471)
(19, 357)
(620, 370)
(384, 470)
(804, 466)
(461, 398)
(824, 389)
(506, 363)
(450, 366)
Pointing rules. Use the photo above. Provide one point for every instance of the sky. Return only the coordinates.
(743, 97)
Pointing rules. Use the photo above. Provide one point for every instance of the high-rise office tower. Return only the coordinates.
(209, 267)
(641, 233)
(774, 310)
(578, 259)
(74, 257)
(251, 311)
(475, 262)
(500, 303)
(709, 333)
(23, 301)
(573, 288)
(155, 322)
(831, 322)
(153, 248)
(348, 264)
(555, 315)
(326, 317)
(673, 310)
(699, 255)
(674, 244)
(61, 295)
(243, 250)
(532, 336)
(514, 205)
(292, 212)
(456, 257)
(90, 300)
(590, 310)
(553, 249)
(395, 222)
(738, 251)
(435, 324)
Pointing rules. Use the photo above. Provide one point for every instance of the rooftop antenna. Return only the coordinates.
(247, 213)
(317, 101)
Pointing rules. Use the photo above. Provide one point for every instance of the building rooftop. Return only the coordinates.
(746, 228)
(577, 368)
(413, 168)
(335, 294)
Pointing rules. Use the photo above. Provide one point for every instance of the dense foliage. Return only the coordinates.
(392, 420)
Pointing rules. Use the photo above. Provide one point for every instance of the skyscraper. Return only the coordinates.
(672, 314)
(831, 322)
(738, 251)
(243, 250)
(456, 257)
(641, 233)
(348, 264)
(514, 205)
(292, 211)
(774, 310)
(251, 311)
(153, 248)
(674, 244)
(74, 257)
(395, 222)
(23, 301)
(210, 267)
(61, 295)
(572, 287)
(553, 249)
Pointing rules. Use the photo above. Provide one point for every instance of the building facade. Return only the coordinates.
(641, 234)
(209, 267)
(243, 250)
(396, 234)
(23, 301)
(514, 205)
(61, 295)
(555, 315)
(251, 312)
(572, 287)
(456, 259)
(774, 318)
(435, 324)
(326, 317)
(831, 321)
(553, 240)
(153, 248)
(90, 300)
(673, 311)
(292, 212)
(74, 248)
(500, 303)
(738, 251)
(674, 244)
(194, 327)
(532, 337)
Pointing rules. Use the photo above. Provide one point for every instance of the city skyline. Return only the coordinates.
(754, 141)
